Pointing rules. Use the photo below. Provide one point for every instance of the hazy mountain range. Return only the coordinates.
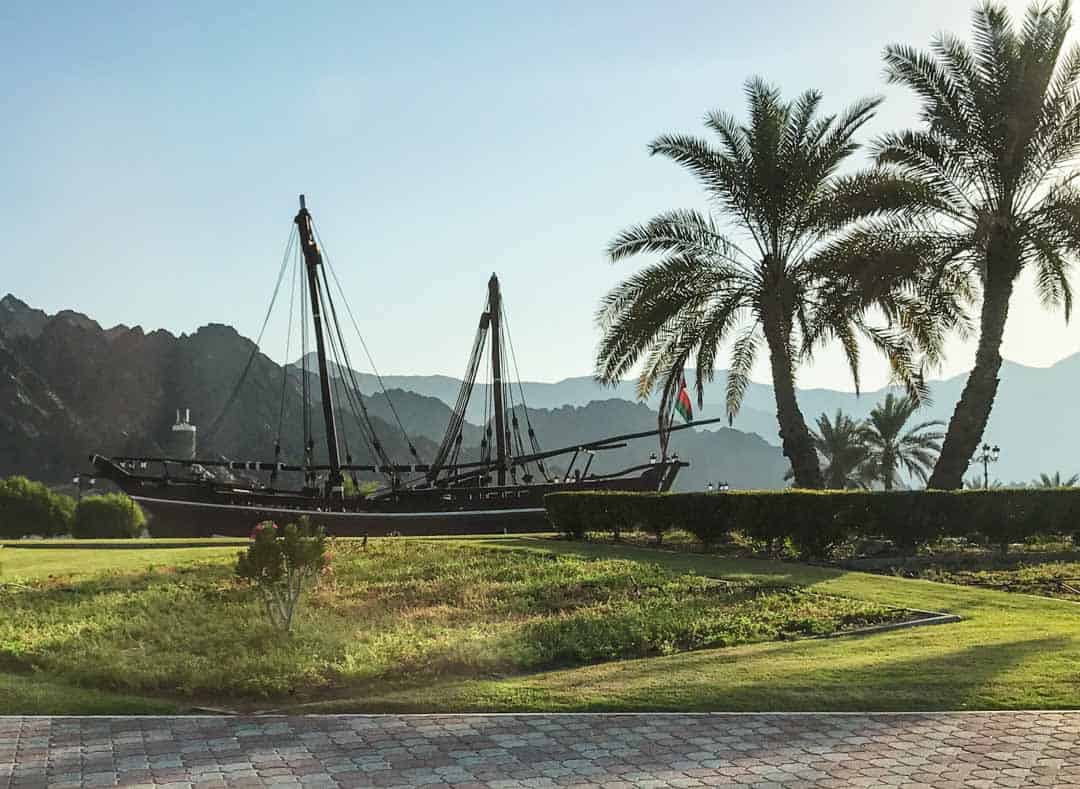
(1036, 417)
(68, 387)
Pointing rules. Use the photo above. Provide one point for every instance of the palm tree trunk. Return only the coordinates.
(795, 436)
(973, 409)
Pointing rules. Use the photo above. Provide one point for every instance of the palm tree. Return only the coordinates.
(773, 181)
(891, 449)
(839, 442)
(978, 483)
(995, 155)
(1056, 481)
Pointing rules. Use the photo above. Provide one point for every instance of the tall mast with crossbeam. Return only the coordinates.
(313, 260)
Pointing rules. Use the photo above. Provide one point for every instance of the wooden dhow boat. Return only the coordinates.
(501, 490)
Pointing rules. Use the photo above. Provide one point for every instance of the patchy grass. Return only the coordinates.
(404, 614)
(452, 630)
(1049, 568)
(1009, 652)
(1027, 574)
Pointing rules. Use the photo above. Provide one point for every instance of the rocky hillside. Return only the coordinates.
(68, 387)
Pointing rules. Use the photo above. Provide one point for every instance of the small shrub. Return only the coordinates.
(111, 516)
(282, 562)
(30, 508)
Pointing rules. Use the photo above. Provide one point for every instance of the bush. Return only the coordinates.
(281, 563)
(30, 508)
(110, 516)
(814, 523)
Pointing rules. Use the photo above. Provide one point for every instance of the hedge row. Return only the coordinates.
(816, 522)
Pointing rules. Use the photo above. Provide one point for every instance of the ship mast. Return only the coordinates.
(495, 313)
(313, 260)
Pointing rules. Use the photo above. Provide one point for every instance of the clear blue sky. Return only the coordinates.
(153, 153)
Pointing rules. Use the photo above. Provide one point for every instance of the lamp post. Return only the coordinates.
(987, 455)
(82, 482)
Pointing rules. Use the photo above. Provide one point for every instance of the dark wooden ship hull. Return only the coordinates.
(197, 509)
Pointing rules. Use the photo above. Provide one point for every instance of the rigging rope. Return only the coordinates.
(369, 440)
(489, 407)
(533, 441)
(452, 439)
(335, 354)
(285, 366)
(335, 385)
(216, 424)
(309, 443)
(363, 344)
(359, 407)
(510, 426)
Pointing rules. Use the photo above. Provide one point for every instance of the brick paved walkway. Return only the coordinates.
(977, 749)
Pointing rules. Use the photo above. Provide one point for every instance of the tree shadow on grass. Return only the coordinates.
(802, 677)
(797, 677)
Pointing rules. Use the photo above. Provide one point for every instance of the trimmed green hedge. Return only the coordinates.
(815, 522)
(30, 509)
(111, 516)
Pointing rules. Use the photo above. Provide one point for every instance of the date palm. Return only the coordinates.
(748, 276)
(977, 483)
(1055, 480)
(892, 449)
(999, 137)
(839, 442)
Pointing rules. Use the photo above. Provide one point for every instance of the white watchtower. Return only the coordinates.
(182, 439)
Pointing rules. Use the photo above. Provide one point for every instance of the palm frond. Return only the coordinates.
(682, 232)
(743, 353)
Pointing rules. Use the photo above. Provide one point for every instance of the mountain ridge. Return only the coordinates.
(68, 387)
(1035, 419)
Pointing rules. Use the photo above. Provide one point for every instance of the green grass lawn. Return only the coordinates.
(1011, 651)
(400, 614)
(512, 623)
(20, 565)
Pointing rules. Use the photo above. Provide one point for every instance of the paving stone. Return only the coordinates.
(541, 751)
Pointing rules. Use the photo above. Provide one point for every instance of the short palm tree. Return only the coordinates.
(840, 444)
(1055, 480)
(774, 184)
(892, 449)
(978, 483)
(996, 158)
